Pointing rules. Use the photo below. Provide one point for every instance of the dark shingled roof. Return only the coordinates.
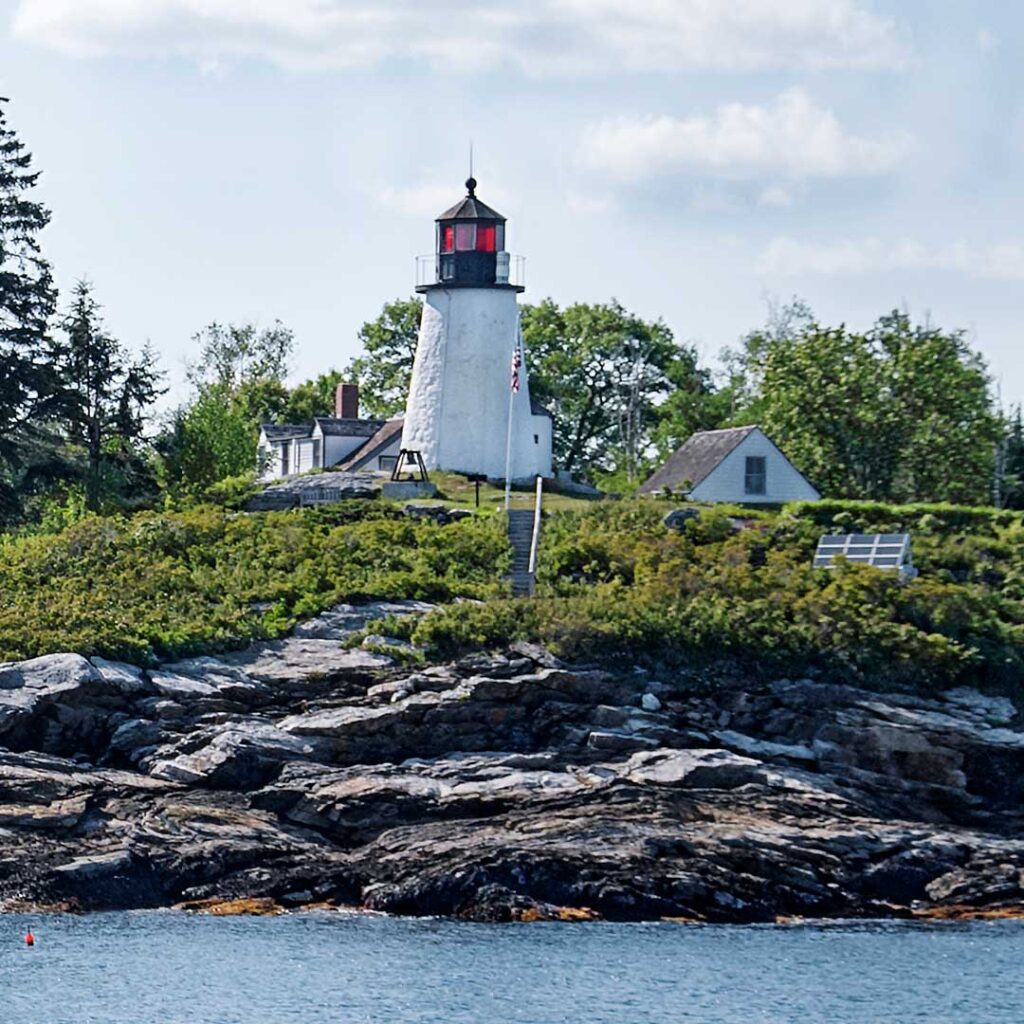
(373, 446)
(331, 426)
(286, 431)
(701, 454)
(470, 208)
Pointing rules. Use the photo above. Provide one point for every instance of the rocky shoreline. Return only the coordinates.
(307, 772)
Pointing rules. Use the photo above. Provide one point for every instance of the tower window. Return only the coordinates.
(448, 238)
(485, 238)
(465, 237)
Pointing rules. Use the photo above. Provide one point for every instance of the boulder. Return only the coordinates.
(242, 756)
(650, 703)
(695, 769)
(343, 620)
(679, 517)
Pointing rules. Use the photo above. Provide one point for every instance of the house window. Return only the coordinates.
(387, 463)
(755, 479)
(536, 438)
(465, 237)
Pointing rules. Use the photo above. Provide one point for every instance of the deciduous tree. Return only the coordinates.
(902, 412)
(607, 375)
(384, 369)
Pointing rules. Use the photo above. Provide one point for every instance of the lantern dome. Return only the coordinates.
(470, 247)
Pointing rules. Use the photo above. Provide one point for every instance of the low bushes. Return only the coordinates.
(162, 585)
(616, 584)
(869, 516)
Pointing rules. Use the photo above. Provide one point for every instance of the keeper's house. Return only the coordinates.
(344, 441)
(741, 464)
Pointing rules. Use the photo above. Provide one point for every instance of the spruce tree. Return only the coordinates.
(28, 389)
(105, 399)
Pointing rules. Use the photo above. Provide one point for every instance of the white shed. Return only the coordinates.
(346, 441)
(740, 464)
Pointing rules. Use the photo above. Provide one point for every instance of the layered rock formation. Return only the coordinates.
(309, 771)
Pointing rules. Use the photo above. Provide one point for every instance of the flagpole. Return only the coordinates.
(508, 434)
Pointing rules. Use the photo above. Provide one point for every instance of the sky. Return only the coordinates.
(698, 160)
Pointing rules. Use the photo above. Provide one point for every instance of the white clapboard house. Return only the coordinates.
(741, 464)
(344, 441)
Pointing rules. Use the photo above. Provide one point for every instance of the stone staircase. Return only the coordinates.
(520, 536)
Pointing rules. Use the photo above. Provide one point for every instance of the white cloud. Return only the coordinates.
(538, 36)
(998, 261)
(775, 195)
(588, 204)
(987, 40)
(792, 136)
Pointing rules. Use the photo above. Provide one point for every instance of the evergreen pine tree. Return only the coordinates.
(28, 388)
(1011, 486)
(104, 396)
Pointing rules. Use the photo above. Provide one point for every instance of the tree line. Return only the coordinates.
(901, 412)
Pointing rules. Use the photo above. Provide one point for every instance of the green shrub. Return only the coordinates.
(159, 585)
(616, 584)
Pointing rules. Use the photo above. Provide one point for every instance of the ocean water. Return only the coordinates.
(169, 968)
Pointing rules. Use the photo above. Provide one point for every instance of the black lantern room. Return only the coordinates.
(470, 250)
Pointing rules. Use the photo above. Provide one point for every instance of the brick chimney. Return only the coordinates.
(346, 402)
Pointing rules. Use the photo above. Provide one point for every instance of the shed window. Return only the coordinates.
(465, 237)
(448, 238)
(755, 477)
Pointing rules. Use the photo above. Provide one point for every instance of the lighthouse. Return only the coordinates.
(469, 407)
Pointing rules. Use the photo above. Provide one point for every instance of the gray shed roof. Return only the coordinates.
(701, 454)
(366, 451)
(331, 426)
(286, 431)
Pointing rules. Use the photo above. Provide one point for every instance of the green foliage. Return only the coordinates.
(232, 491)
(312, 398)
(877, 517)
(28, 386)
(616, 584)
(238, 383)
(161, 585)
(384, 370)
(900, 413)
(212, 438)
(614, 382)
(1010, 462)
(105, 397)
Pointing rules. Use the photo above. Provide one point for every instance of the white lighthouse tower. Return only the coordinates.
(469, 407)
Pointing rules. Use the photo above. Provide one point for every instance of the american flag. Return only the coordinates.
(517, 362)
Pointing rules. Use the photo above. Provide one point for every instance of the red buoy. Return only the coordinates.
(30, 939)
